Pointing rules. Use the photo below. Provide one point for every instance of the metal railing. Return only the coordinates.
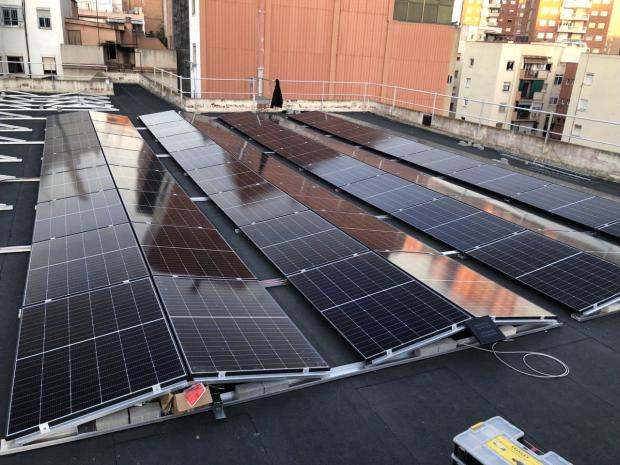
(23, 69)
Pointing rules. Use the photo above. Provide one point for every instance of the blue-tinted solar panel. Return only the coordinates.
(435, 213)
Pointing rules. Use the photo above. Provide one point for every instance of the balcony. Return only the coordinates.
(524, 115)
(530, 97)
(572, 28)
(572, 16)
(493, 14)
(577, 4)
(541, 74)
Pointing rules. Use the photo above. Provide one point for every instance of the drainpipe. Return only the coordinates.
(26, 37)
(260, 70)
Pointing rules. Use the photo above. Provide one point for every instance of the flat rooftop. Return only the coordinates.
(405, 414)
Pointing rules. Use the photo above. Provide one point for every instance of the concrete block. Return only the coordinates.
(114, 420)
(249, 390)
(143, 413)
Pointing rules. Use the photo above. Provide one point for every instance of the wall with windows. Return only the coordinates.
(591, 98)
(42, 24)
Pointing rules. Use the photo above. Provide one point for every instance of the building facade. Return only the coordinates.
(500, 83)
(31, 34)
(320, 42)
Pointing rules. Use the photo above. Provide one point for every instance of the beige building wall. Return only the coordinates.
(594, 96)
(484, 77)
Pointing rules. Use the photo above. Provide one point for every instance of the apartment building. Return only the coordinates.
(500, 83)
(31, 34)
(593, 22)
(591, 99)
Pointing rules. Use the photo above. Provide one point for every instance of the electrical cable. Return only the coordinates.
(536, 373)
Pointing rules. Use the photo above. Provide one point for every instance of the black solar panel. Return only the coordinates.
(234, 327)
(263, 210)
(137, 179)
(171, 207)
(593, 212)
(402, 198)
(435, 213)
(75, 182)
(78, 214)
(159, 235)
(82, 262)
(451, 165)
(552, 196)
(374, 186)
(578, 282)
(71, 144)
(286, 228)
(135, 143)
(221, 178)
(132, 158)
(201, 157)
(522, 253)
(87, 351)
(375, 306)
(473, 231)
(612, 229)
(184, 141)
(69, 161)
(513, 184)
(429, 156)
(313, 250)
(160, 118)
(171, 128)
(356, 173)
(481, 174)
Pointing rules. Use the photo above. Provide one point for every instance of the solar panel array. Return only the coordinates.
(92, 333)
(304, 246)
(589, 210)
(461, 226)
(194, 266)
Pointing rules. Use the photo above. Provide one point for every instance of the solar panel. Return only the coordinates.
(552, 197)
(71, 144)
(435, 213)
(259, 210)
(115, 129)
(373, 186)
(225, 177)
(171, 128)
(78, 214)
(122, 142)
(612, 229)
(522, 253)
(593, 212)
(451, 165)
(69, 161)
(429, 156)
(481, 174)
(513, 184)
(473, 231)
(133, 158)
(184, 141)
(194, 252)
(67, 130)
(402, 198)
(356, 173)
(334, 163)
(170, 207)
(136, 179)
(234, 327)
(82, 262)
(312, 250)
(375, 306)
(75, 182)
(320, 203)
(160, 118)
(87, 351)
(201, 157)
(578, 281)
(286, 228)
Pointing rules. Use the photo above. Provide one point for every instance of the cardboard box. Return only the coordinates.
(181, 404)
(166, 403)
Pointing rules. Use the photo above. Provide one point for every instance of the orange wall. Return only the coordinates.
(325, 40)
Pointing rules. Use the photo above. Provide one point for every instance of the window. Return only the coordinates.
(45, 18)
(595, 13)
(194, 55)
(506, 86)
(456, 73)
(577, 130)
(424, 11)
(16, 64)
(471, 62)
(540, 35)
(558, 79)
(10, 16)
(603, 13)
(601, 25)
(598, 38)
(591, 25)
(110, 50)
(510, 66)
(543, 22)
(552, 22)
(587, 80)
(193, 7)
(582, 105)
(468, 82)
(502, 107)
(74, 37)
(465, 103)
(549, 35)
(553, 100)
(49, 65)
(596, 50)
(449, 79)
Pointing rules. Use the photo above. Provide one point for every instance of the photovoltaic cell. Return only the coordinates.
(133, 158)
(552, 197)
(69, 161)
(234, 327)
(593, 212)
(87, 351)
(402, 198)
(451, 165)
(137, 179)
(82, 262)
(374, 186)
(435, 213)
(78, 214)
(286, 228)
(75, 182)
(513, 184)
(201, 157)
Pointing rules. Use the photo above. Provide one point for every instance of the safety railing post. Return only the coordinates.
(366, 95)
(549, 121)
(480, 118)
(393, 99)
(322, 93)
(433, 109)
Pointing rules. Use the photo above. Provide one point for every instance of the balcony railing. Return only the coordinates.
(574, 29)
(534, 74)
(571, 16)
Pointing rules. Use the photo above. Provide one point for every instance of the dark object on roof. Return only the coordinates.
(277, 101)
